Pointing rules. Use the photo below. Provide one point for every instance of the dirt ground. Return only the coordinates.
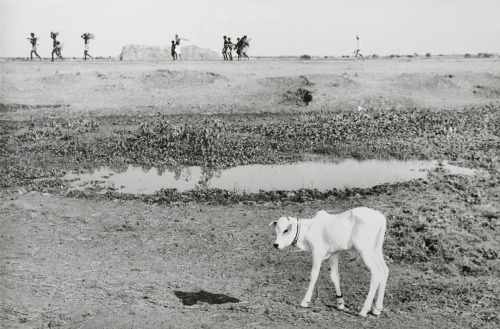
(141, 88)
(106, 262)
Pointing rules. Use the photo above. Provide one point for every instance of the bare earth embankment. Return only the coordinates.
(204, 258)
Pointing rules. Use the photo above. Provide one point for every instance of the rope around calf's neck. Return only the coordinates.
(298, 232)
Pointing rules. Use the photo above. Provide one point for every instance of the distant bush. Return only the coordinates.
(467, 56)
(428, 55)
(374, 56)
(409, 56)
(484, 55)
(305, 57)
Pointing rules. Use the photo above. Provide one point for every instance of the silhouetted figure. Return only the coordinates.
(173, 53)
(34, 41)
(357, 52)
(178, 45)
(86, 38)
(239, 45)
(224, 48)
(56, 46)
(245, 45)
(230, 46)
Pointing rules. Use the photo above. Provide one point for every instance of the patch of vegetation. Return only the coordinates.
(469, 134)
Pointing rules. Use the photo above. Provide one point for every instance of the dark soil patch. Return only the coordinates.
(191, 298)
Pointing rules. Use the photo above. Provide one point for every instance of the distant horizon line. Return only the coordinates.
(304, 56)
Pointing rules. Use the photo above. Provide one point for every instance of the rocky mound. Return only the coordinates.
(156, 53)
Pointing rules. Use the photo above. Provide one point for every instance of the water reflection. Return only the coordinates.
(322, 175)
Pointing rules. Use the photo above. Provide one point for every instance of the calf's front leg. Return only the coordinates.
(316, 265)
(334, 263)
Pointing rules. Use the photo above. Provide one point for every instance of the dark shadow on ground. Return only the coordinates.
(191, 298)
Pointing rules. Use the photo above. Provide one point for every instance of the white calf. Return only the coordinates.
(326, 236)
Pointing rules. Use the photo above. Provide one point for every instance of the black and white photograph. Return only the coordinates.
(249, 164)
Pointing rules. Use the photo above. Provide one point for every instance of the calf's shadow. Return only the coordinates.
(191, 298)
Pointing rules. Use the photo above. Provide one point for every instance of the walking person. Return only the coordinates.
(178, 45)
(238, 47)
(86, 38)
(357, 52)
(34, 41)
(173, 53)
(224, 48)
(245, 42)
(230, 46)
(56, 46)
(58, 49)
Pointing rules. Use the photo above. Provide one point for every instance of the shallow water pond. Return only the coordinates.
(322, 175)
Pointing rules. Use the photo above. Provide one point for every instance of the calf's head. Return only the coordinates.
(286, 231)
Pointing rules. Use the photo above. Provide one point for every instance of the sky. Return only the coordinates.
(275, 27)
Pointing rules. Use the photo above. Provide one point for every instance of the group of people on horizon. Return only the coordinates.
(57, 46)
(241, 46)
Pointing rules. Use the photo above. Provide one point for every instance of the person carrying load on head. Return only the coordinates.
(357, 52)
(245, 45)
(56, 45)
(86, 38)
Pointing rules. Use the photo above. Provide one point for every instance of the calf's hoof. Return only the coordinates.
(363, 313)
(304, 304)
(340, 303)
(377, 311)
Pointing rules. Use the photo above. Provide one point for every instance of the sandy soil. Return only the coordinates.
(133, 88)
(108, 263)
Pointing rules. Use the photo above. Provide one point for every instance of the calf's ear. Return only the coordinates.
(273, 223)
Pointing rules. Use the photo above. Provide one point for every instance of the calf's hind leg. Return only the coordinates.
(370, 260)
(384, 274)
